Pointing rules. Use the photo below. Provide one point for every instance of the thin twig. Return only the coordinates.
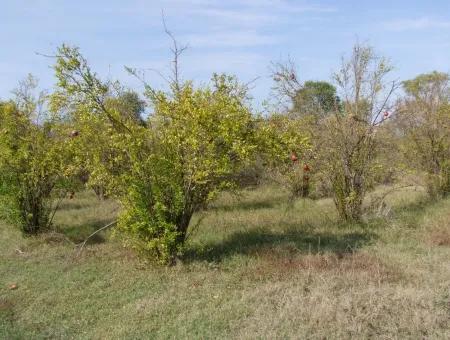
(55, 209)
(177, 51)
(94, 233)
(195, 227)
(247, 84)
(47, 55)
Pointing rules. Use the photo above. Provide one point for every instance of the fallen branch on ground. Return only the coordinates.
(94, 233)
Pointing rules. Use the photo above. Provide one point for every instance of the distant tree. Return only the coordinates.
(344, 141)
(424, 117)
(129, 104)
(317, 98)
(306, 105)
(284, 146)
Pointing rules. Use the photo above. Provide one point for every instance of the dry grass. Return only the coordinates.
(440, 237)
(330, 307)
(273, 264)
(257, 267)
(437, 230)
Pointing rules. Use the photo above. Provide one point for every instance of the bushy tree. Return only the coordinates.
(193, 142)
(423, 116)
(284, 147)
(351, 140)
(32, 161)
(344, 139)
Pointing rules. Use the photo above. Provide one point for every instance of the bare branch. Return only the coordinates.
(286, 80)
(94, 233)
(58, 203)
(177, 51)
(394, 86)
(54, 56)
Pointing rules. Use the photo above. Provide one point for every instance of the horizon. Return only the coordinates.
(238, 37)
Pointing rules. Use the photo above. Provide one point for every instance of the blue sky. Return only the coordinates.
(239, 37)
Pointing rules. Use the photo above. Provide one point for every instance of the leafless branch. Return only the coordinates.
(394, 86)
(109, 225)
(194, 228)
(247, 84)
(56, 208)
(177, 51)
(286, 80)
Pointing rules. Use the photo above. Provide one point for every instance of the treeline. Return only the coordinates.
(166, 154)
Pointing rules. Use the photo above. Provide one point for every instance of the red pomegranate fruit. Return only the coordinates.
(294, 157)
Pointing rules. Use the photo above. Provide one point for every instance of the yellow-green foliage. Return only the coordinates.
(281, 137)
(162, 171)
(424, 116)
(199, 139)
(32, 162)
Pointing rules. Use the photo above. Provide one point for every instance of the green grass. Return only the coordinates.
(256, 267)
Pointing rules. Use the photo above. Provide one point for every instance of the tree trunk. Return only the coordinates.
(183, 225)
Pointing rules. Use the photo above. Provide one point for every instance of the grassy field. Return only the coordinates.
(257, 266)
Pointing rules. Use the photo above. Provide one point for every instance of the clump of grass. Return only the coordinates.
(440, 236)
(437, 229)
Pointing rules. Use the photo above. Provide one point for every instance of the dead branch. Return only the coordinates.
(195, 227)
(58, 203)
(177, 51)
(286, 80)
(94, 233)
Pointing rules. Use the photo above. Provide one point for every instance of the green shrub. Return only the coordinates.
(192, 146)
(32, 162)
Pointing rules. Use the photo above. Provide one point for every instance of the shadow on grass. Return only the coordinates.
(411, 214)
(340, 239)
(78, 233)
(70, 205)
(265, 203)
(304, 241)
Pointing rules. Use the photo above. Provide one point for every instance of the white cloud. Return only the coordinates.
(230, 39)
(243, 17)
(236, 62)
(415, 24)
(257, 12)
(312, 9)
(283, 5)
(243, 23)
(235, 36)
